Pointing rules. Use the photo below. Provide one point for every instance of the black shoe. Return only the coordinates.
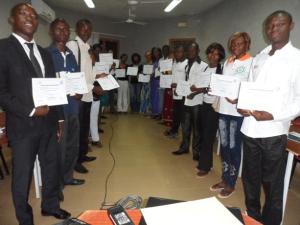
(180, 152)
(96, 144)
(58, 214)
(101, 131)
(75, 182)
(103, 117)
(79, 168)
(88, 158)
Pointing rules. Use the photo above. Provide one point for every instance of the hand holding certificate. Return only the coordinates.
(106, 58)
(183, 88)
(49, 91)
(132, 71)
(259, 97)
(101, 68)
(203, 80)
(120, 73)
(147, 69)
(224, 86)
(165, 65)
(144, 78)
(75, 83)
(166, 81)
(108, 83)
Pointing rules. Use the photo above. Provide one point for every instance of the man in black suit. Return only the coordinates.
(31, 130)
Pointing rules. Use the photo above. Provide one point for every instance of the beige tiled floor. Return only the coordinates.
(145, 167)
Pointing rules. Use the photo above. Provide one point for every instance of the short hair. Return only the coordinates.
(216, 46)
(82, 22)
(152, 52)
(56, 21)
(166, 46)
(14, 9)
(95, 46)
(177, 47)
(124, 54)
(278, 13)
(136, 55)
(237, 35)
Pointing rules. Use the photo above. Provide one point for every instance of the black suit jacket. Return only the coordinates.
(16, 72)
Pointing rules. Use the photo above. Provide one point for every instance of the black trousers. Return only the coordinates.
(191, 123)
(70, 147)
(209, 121)
(264, 164)
(24, 153)
(84, 129)
(177, 115)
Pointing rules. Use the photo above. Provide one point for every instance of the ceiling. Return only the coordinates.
(118, 9)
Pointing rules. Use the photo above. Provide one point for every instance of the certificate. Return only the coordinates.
(224, 86)
(120, 73)
(106, 58)
(117, 63)
(108, 83)
(183, 88)
(49, 91)
(147, 69)
(156, 73)
(203, 80)
(132, 71)
(255, 96)
(165, 81)
(165, 65)
(75, 83)
(101, 68)
(144, 78)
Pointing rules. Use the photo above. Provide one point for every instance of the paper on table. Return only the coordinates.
(166, 81)
(108, 83)
(132, 71)
(106, 58)
(203, 80)
(206, 211)
(165, 65)
(75, 82)
(144, 78)
(120, 73)
(224, 86)
(101, 68)
(253, 96)
(183, 88)
(147, 69)
(156, 73)
(49, 91)
(117, 62)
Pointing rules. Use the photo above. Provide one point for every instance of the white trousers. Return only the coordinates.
(94, 120)
(123, 96)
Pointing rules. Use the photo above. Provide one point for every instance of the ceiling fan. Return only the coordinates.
(131, 19)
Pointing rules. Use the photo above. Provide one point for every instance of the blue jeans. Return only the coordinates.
(231, 146)
(135, 96)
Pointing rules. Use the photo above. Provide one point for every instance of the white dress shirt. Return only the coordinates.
(240, 69)
(195, 71)
(282, 71)
(86, 65)
(178, 71)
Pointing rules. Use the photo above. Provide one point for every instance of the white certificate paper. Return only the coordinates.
(203, 80)
(106, 58)
(147, 69)
(183, 88)
(117, 62)
(101, 68)
(49, 91)
(165, 65)
(132, 71)
(255, 96)
(108, 83)
(156, 73)
(75, 83)
(224, 86)
(144, 78)
(120, 73)
(165, 81)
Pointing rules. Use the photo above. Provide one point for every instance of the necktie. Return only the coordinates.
(34, 61)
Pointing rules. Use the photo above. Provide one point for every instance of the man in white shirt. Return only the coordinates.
(265, 133)
(80, 49)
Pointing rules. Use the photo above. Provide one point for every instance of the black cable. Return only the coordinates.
(104, 204)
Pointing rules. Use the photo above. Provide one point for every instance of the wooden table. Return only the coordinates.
(100, 217)
(293, 149)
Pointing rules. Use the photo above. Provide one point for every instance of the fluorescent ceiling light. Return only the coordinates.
(172, 5)
(89, 3)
